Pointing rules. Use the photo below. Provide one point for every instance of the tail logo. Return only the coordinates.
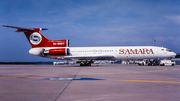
(35, 38)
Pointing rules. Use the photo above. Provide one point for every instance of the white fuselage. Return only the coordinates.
(118, 53)
(59, 49)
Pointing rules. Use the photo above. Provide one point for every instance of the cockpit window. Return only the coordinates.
(168, 50)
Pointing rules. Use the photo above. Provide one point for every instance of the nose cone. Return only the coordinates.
(174, 55)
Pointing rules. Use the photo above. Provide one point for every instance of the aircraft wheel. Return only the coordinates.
(85, 64)
(161, 64)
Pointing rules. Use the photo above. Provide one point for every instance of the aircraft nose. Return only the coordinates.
(174, 55)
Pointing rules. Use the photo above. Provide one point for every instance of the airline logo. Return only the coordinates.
(136, 51)
(35, 38)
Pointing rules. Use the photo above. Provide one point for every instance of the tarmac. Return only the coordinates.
(106, 82)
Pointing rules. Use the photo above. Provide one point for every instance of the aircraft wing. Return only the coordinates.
(101, 57)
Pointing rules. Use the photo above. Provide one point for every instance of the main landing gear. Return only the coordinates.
(86, 63)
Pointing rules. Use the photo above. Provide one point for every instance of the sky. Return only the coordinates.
(89, 23)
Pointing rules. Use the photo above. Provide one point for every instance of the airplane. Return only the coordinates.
(59, 49)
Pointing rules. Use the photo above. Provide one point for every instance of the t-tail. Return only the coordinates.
(36, 39)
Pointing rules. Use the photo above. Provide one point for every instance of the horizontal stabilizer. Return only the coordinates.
(19, 29)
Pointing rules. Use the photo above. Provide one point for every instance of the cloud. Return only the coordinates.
(174, 19)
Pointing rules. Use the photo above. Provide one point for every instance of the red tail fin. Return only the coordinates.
(36, 39)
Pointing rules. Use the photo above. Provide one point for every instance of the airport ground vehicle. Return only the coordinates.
(151, 62)
(167, 62)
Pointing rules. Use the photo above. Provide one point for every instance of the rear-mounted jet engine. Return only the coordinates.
(62, 51)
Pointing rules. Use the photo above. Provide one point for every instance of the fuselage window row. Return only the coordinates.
(94, 51)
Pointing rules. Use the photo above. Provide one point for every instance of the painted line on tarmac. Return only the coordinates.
(23, 76)
(150, 81)
(52, 78)
(41, 76)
